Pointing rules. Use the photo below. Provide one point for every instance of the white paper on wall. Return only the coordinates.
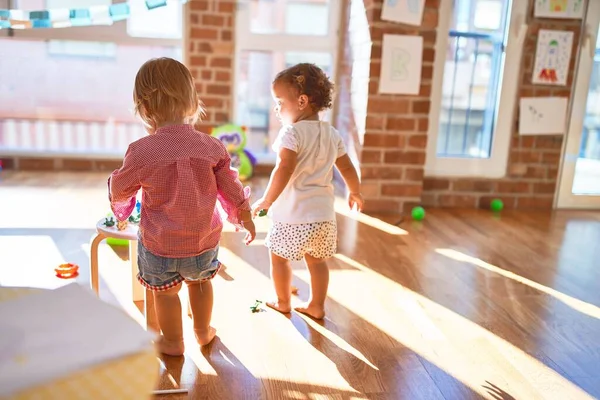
(401, 64)
(552, 57)
(542, 115)
(408, 12)
(559, 9)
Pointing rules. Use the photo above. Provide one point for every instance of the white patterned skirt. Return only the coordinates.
(293, 241)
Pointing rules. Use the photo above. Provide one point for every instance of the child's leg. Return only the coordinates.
(168, 313)
(319, 282)
(201, 302)
(281, 274)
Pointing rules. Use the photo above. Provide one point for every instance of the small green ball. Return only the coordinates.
(418, 213)
(496, 205)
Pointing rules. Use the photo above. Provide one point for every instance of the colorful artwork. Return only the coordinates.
(234, 139)
(559, 9)
(401, 64)
(408, 12)
(552, 57)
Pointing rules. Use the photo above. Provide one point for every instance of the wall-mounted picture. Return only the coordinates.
(552, 57)
(408, 12)
(559, 9)
(401, 64)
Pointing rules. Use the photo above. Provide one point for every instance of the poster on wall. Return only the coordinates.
(408, 12)
(401, 64)
(552, 57)
(542, 115)
(559, 9)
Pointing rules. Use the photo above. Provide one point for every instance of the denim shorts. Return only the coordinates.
(161, 273)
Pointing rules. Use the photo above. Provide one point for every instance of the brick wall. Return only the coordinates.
(393, 138)
(210, 57)
(533, 165)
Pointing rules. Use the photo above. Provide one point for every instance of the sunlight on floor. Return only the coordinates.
(576, 304)
(29, 261)
(341, 207)
(456, 345)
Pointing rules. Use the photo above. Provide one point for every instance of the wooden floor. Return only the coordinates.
(462, 306)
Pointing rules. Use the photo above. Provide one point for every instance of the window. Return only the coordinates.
(468, 135)
(270, 36)
(68, 91)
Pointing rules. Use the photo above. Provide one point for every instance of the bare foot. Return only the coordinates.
(169, 348)
(312, 310)
(281, 306)
(205, 337)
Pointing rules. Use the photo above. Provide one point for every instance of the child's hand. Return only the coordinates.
(259, 206)
(356, 199)
(250, 231)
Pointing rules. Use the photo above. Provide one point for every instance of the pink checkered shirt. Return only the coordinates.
(182, 174)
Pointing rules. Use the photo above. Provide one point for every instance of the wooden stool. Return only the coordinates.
(139, 293)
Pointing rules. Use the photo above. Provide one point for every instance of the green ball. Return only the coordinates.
(418, 213)
(496, 205)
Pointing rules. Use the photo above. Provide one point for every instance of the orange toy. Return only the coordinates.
(67, 271)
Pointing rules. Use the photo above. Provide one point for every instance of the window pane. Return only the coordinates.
(307, 17)
(472, 76)
(162, 22)
(70, 97)
(254, 106)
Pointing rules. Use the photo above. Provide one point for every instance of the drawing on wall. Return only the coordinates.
(542, 115)
(559, 8)
(408, 12)
(552, 57)
(401, 64)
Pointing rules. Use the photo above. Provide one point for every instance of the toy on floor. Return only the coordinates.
(256, 307)
(418, 213)
(67, 271)
(496, 205)
(234, 139)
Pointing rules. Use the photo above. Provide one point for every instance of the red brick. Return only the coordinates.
(514, 187)
(388, 105)
(552, 173)
(206, 75)
(430, 183)
(516, 170)
(212, 102)
(421, 106)
(527, 142)
(221, 117)
(535, 172)
(222, 62)
(548, 142)
(404, 157)
(428, 55)
(381, 206)
(401, 190)
(527, 156)
(473, 185)
(418, 141)
(425, 89)
(544, 187)
(213, 20)
(426, 72)
(383, 140)
(508, 201)
(36, 164)
(227, 7)
(375, 122)
(221, 76)
(383, 172)
(371, 157)
(370, 190)
(199, 5)
(400, 124)
(204, 33)
(430, 19)
(226, 35)
(423, 125)
(414, 174)
(429, 200)
(551, 158)
(7, 163)
(196, 61)
(73, 164)
(544, 203)
(457, 201)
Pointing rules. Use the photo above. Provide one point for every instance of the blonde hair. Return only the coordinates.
(164, 91)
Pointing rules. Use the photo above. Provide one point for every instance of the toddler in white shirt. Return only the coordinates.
(300, 197)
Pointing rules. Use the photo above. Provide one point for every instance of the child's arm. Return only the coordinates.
(280, 177)
(234, 198)
(123, 185)
(346, 168)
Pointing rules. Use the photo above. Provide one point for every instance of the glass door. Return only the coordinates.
(580, 176)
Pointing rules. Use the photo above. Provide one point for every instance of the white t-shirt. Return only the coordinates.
(309, 196)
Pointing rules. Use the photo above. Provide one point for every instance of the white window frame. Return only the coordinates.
(495, 166)
(245, 40)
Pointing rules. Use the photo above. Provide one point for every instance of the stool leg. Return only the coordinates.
(94, 262)
(137, 290)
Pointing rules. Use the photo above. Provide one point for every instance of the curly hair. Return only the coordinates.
(310, 80)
